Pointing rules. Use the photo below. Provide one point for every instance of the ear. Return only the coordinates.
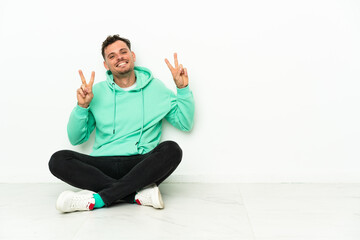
(134, 56)
(106, 66)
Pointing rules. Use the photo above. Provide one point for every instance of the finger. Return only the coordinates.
(84, 88)
(92, 79)
(81, 93)
(181, 69)
(177, 75)
(186, 77)
(169, 65)
(82, 77)
(176, 60)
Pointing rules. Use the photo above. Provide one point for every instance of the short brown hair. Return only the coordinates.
(111, 39)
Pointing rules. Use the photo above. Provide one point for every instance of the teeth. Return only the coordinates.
(121, 64)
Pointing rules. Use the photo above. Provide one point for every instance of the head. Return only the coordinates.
(117, 54)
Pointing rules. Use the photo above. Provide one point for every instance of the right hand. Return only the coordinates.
(84, 93)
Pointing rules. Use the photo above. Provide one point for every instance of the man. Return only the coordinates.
(128, 161)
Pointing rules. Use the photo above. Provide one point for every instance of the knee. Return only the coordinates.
(55, 161)
(174, 151)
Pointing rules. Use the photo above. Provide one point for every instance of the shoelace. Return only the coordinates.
(145, 199)
(80, 201)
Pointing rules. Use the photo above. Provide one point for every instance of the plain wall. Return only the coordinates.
(276, 83)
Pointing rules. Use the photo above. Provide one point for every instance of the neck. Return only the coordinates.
(125, 80)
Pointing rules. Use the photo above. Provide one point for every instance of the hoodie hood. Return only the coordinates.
(143, 78)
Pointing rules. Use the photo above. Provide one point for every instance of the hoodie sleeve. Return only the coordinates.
(80, 125)
(181, 114)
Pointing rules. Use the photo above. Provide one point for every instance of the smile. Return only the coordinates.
(121, 64)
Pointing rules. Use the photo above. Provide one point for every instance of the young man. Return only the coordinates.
(128, 161)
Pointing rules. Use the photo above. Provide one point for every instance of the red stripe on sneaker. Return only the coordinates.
(91, 206)
(137, 201)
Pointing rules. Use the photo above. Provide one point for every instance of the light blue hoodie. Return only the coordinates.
(129, 122)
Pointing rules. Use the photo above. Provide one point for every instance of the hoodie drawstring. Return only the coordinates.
(142, 113)
(142, 125)
(114, 107)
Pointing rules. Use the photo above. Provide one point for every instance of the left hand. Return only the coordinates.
(178, 72)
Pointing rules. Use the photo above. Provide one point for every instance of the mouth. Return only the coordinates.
(121, 64)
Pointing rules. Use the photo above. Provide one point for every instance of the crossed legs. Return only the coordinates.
(116, 178)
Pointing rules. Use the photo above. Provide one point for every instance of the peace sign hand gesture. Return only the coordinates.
(84, 93)
(179, 73)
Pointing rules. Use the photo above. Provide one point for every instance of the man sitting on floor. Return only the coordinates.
(128, 161)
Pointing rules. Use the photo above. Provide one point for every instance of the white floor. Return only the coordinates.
(192, 211)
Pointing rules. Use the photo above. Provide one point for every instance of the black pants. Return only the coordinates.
(116, 178)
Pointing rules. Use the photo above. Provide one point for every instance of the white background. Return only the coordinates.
(276, 83)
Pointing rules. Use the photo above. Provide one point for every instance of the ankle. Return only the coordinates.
(99, 203)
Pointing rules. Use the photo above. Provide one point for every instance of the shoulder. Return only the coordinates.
(98, 87)
(158, 85)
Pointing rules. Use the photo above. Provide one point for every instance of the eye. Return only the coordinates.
(111, 57)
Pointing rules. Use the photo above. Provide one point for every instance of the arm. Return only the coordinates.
(82, 122)
(182, 109)
(80, 126)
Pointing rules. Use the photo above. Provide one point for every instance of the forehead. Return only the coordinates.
(115, 47)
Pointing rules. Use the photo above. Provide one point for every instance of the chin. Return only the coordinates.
(125, 71)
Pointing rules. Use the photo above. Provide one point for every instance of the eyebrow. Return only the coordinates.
(114, 52)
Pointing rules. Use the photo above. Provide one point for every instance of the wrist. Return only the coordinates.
(183, 86)
(83, 105)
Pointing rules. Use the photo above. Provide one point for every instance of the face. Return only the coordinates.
(119, 59)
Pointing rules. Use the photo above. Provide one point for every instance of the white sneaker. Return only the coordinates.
(150, 196)
(70, 201)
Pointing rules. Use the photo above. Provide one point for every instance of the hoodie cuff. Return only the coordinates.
(80, 111)
(183, 92)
